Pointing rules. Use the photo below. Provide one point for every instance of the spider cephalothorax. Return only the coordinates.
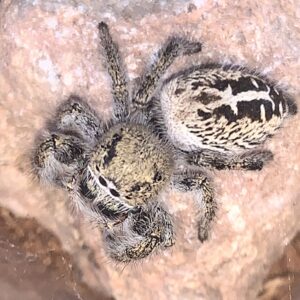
(206, 116)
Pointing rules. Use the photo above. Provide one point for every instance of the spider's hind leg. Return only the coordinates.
(196, 181)
(249, 160)
(174, 47)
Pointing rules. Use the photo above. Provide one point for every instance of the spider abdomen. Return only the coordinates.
(222, 109)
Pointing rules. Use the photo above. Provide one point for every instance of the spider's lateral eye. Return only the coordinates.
(116, 137)
(157, 176)
(114, 193)
(102, 181)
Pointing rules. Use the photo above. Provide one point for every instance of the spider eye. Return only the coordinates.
(114, 193)
(157, 176)
(102, 181)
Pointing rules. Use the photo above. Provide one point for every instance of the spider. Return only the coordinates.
(162, 136)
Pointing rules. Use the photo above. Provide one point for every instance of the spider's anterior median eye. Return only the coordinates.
(102, 181)
(114, 193)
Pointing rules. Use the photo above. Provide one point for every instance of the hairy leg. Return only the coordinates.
(58, 158)
(116, 71)
(76, 116)
(173, 48)
(62, 151)
(249, 160)
(140, 235)
(196, 181)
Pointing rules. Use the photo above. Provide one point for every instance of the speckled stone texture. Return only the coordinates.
(49, 49)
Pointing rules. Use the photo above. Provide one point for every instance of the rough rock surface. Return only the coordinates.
(49, 49)
(33, 265)
(283, 281)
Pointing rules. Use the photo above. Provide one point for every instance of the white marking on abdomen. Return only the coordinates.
(263, 113)
(254, 83)
(232, 100)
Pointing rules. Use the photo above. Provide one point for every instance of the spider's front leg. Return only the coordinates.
(58, 158)
(174, 47)
(142, 233)
(249, 160)
(62, 151)
(196, 181)
(116, 71)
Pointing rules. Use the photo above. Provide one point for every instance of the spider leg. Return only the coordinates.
(116, 71)
(140, 234)
(173, 48)
(58, 158)
(77, 117)
(196, 181)
(62, 151)
(249, 160)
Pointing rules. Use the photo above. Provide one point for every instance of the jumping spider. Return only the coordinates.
(205, 116)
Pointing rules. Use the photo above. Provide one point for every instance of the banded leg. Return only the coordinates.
(174, 47)
(62, 151)
(76, 116)
(249, 160)
(58, 158)
(195, 181)
(116, 72)
(140, 235)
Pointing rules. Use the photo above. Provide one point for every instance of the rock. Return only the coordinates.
(49, 49)
(32, 259)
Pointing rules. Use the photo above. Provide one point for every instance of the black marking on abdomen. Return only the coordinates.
(179, 91)
(226, 112)
(246, 109)
(277, 98)
(243, 84)
(206, 98)
(252, 109)
(203, 115)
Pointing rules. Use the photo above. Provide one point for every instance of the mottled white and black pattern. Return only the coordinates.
(227, 109)
(160, 136)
